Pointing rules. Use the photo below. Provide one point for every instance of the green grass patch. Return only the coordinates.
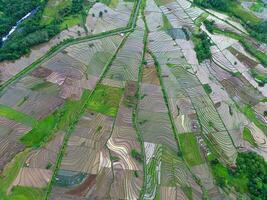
(261, 79)
(248, 137)
(11, 171)
(207, 88)
(166, 23)
(61, 119)
(41, 86)
(51, 11)
(17, 116)
(250, 114)
(190, 149)
(199, 20)
(236, 74)
(105, 99)
(170, 65)
(26, 193)
(71, 21)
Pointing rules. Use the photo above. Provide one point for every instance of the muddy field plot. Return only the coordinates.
(241, 90)
(174, 173)
(93, 55)
(46, 156)
(79, 185)
(127, 184)
(85, 157)
(35, 98)
(86, 143)
(126, 64)
(11, 131)
(33, 177)
(149, 75)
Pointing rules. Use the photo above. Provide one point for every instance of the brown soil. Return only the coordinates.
(242, 58)
(130, 91)
(41, 72)
(85, 186)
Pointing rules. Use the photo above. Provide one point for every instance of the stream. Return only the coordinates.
(18, 23)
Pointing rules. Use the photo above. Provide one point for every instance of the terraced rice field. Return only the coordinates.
(131, 112)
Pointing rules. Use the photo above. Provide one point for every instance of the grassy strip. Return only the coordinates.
(190, 149)
(250, 114)
(17, 116)
(259, 78)
(202, 45)
(166, 24)
(198, 21)
(11, 171)
(248, 137)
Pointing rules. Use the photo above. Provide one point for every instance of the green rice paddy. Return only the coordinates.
(105, 99)
(10, 113)
(190, 149)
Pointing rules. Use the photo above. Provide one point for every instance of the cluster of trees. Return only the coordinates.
(254, 168)
(31, 32)
(210, 26)
(249, 176)
(257, 30)
(202, 46)
(13, 10)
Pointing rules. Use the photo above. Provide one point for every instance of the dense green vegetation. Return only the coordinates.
(40, 27)
(248, 136)
(136, 155)
(61, 119)
(105, 99)
(13, 10)
(207, 88)
(202, 46)
(249, 175)
(10, 113)
(256, 27)
(224, 177)
(190, 150)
